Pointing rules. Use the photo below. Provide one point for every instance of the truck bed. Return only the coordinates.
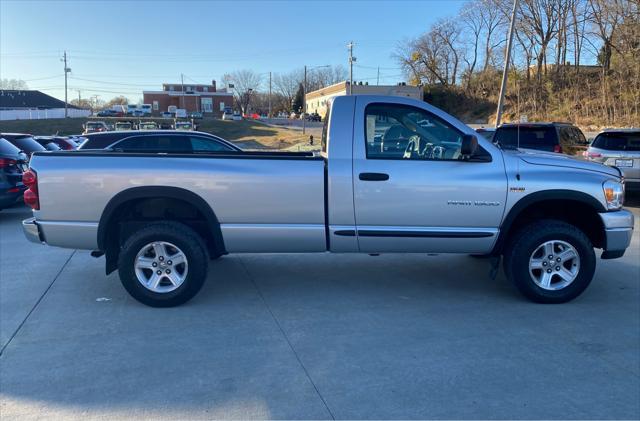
(264, 201)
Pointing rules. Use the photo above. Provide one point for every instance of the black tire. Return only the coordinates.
(187, 240)
(521, 247)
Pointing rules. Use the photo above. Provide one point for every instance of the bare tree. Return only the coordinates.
(287, 85)
(245, 83)
(472, 28)
(13, 84)
(542, 17)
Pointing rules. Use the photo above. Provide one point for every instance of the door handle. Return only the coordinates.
(373, 176)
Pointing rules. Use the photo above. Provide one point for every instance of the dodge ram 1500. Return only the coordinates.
(395, 175)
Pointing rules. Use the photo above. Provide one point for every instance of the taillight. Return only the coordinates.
(30, 179)
(6, 162)
(557, 149)
(593, 155)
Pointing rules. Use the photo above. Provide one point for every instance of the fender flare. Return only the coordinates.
(541, 196)
(159, 192)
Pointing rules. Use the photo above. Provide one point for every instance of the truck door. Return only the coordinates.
(413, 192)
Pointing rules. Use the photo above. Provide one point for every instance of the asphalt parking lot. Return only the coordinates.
(313, 336)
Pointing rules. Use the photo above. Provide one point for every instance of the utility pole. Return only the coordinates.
(66, 71)
(351, 60)
(79, 98)
(304, 101)
(269, 94)
(182, 94)
(503, 86)
(378, 79)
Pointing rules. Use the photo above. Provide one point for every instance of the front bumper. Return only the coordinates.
(32, 231)
(618, 230)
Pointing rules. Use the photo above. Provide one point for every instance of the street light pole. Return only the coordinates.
(351, 60)
(503, 86)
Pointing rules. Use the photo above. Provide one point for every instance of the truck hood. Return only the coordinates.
(560, 160)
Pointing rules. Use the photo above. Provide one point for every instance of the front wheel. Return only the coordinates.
(163, 264)
(550, 261)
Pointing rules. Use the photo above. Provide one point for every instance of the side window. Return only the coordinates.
(155, 143)
(394, 131)
(203, 144)
(567, 137)
(580, 139)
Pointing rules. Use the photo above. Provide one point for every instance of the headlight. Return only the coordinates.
(613, 194)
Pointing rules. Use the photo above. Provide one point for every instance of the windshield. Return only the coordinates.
(94, 125)
(7, 148)
(618, 141)
(28, 144)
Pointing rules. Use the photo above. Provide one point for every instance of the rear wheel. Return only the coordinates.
(550, 261)
(163, 264)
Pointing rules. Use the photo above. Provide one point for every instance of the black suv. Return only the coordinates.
(551, 137)
(12, 164)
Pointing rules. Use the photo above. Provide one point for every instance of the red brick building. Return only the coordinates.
(203, 98)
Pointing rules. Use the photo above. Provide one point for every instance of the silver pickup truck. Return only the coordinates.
(395, 175)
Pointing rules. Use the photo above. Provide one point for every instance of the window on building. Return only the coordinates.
(207, 105)
(171, 87)
(205, 89)
(156, 106)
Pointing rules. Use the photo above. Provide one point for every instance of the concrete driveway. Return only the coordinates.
(313, 336)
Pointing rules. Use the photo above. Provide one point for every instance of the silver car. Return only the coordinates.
(619, 148)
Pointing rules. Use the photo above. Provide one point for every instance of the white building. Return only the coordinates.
(34, 105)
(317, 100)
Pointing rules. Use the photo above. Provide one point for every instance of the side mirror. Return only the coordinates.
(469, 145)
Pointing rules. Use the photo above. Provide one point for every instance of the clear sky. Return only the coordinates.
(124, 47)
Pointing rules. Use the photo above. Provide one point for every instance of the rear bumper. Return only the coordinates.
(32, 231)
(75, 235)
(618, 230)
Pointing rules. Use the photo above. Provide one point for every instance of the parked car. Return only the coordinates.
(166, 114)
(183, 125)
(237, 116)
(146, 109)
(619, 148)
(294, 116)
(63, 142)
(196, 115)
(551, 137)
(486, 132)
(12, 164)
(161, 218)
(313, 117)
(123, 125)
(95, 126)
(136, 113)
(227, 115)
(159, 141)
(132, 108)
(148, 125)
(108, 113)
(25, 142)
(48, 144)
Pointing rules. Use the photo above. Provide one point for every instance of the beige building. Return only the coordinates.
(317, 100)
